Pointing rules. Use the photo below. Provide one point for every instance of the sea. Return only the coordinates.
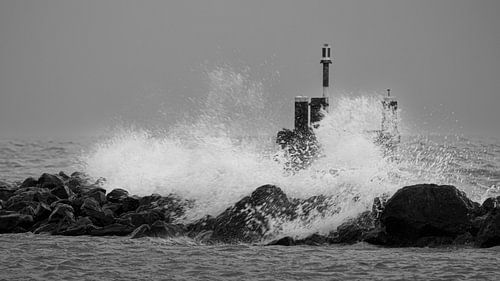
(224, 152)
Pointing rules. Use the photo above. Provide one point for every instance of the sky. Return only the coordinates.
(71, 67)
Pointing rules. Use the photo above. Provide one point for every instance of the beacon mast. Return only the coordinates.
(326, 61)
(318, 104)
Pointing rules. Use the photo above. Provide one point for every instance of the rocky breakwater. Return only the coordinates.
(74, 205)
(418, 215)
(423, 215)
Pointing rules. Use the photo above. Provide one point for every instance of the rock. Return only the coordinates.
(78, 179)
(356, 230)
(285, 241)
(99, 217)
(491, 203)
(62, 211)
(6, 191)
(117, 195)
(489, 233)
(115, 229)
(63, 176)
(29, 195)
(46, 228)
(42, 211)
(140, 231)
(130, 204)
(158, 229)
(314, 240)
(83, 226)
(62, 192)
(50, 181)
(172, 206)
(427, 210)
(204, 224)
(9, 222)
(249, 219)
(315, 206)
(145, 217)
(29, 182)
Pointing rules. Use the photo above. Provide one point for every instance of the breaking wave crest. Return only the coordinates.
(224, 153)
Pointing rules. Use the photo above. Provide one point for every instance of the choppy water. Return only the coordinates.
(41, 257)
(215, 159)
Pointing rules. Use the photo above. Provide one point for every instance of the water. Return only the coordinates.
(82, 258)
(221, 153)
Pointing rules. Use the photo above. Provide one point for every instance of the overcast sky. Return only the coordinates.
(70, 66)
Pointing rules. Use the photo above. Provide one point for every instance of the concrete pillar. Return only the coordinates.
(301, 114)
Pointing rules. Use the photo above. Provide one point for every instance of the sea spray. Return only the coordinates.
(216, 159)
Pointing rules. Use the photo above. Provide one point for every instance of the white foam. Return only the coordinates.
(206, 159)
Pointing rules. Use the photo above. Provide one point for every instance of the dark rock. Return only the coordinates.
(140, 231)
(285, 241)
(158, 229)
(314, 240)
(248, 220)
(206, 223)
(9, 222)
(491, 203)
(464, 239)
(145, 217)
(489, 233)
(29, 182)
(42, 211)
(28, 196)
(427, 210)
(172, 206)
(117, 195)
(130, 204)
(6, 191)
(50, 181)
(114, 208)
(83, 226)
(315, 206)
(46, 228)
(355, 230)
(62, 192)
(62, 211)
(115, 229)
(63, 176)
(99, 217)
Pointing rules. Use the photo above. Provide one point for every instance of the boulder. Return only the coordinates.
(11, 222)
(27, 196)
(140, 218)
(249, 219)
(46, 228)
(78, 179)
(489, 233)
(83, 226)
(130, 204)
(491, 203)
(115, 229)
(117, 195)
(6, 191)
(357, 229)
(172, 206)
(99, 217)
(50, 181)
(158, 229)
(427, 210)
(285, 241)
(62, 192)
(29, 182)
(62, 211)
(204, 224)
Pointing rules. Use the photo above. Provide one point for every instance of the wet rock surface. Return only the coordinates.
(418, 215)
